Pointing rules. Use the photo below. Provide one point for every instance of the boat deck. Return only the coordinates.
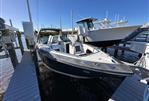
(23, 84)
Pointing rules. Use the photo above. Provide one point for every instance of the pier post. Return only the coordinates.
(12, 54)
(7, 40)
(27, 43)
(20, 42)
(116, 51)
(124, 45)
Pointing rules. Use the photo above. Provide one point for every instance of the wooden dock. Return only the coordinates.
(24, 83)
(131, 89)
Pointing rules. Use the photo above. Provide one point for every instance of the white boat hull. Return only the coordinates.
(110, 34)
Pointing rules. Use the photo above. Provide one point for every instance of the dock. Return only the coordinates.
(24, 83)
(131, 89)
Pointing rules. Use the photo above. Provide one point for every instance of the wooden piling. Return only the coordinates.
(124, 45)
(116, 51)
(20, 42)
(27, 43)
(12, 54)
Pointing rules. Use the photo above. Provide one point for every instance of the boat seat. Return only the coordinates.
(57, 47)
(78, 49)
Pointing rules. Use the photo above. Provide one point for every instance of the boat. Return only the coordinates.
(76, 59)
(104, 33)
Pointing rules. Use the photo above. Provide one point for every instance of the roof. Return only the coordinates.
(86, 19)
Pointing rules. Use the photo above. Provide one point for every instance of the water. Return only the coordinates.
(56, 87)
(128, 56)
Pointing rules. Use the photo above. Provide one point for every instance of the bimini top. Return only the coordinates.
(87, 20)
(49, 31)
(46, 29)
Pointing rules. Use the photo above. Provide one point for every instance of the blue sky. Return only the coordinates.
(48, 12)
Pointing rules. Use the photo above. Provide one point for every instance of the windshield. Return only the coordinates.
(55, 39)
(90, 25)
(64, 38)
(44, 32)
(44, 39)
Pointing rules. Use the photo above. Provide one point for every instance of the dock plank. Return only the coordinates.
(131, 89)
(24, 84)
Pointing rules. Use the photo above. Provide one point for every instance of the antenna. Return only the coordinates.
(115, 18)
(1, 8)
(107, 14)
(60, 23)
(118, 17)
(72, 20)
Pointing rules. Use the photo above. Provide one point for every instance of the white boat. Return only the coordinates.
(106, 34)
(75, 59)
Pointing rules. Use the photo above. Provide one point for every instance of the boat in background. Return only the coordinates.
(104, 33)
(76, 59)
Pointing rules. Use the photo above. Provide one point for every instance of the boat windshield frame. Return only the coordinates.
(49, 31)
(46, 32)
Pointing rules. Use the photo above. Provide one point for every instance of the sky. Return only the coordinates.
(47, 13)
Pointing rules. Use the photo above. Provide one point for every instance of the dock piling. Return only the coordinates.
(124, 45)
(12, 54)
(116, 51)
(20, 42)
